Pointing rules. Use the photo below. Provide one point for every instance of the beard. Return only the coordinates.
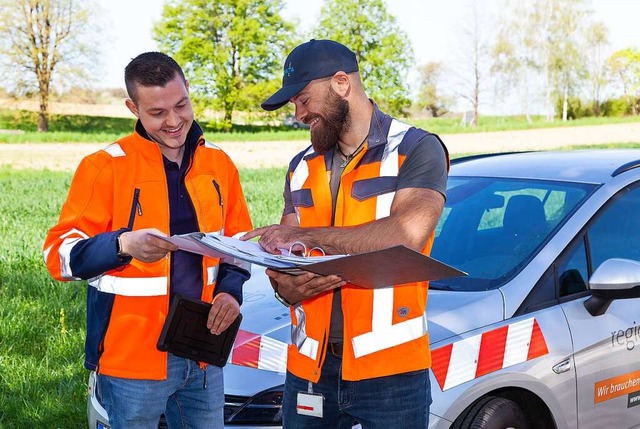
(334, 120)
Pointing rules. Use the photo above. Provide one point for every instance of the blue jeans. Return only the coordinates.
(395, 401)
(181, 397)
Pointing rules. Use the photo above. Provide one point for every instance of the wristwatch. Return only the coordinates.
(119, 253)
(281, 299)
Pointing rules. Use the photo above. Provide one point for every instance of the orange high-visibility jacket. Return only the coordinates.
(124, 186)
(385, 330)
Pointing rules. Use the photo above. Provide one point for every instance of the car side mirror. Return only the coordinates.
(615, 278)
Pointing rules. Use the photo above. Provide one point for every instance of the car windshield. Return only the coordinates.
(491, 227)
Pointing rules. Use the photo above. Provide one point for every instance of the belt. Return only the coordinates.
(335, 349)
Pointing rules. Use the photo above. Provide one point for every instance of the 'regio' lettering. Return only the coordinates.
(627, 337)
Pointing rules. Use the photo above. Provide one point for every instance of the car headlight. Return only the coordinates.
(262, 408)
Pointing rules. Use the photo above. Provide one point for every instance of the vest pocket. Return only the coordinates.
(302, 198)
(367, 188)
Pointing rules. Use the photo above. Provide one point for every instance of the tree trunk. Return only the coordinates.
(43, 115)
(476, 101)
(228, 117)
(549, 94)
(565, 103)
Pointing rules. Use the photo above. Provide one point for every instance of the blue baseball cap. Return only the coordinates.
(314, 59)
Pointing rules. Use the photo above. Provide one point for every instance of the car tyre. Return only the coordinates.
(296, 125)
(493, 413)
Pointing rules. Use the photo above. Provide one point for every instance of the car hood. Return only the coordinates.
(452, 313)
(262, 313)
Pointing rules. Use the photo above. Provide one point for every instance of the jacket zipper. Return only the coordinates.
(221, 201)
(135, 206)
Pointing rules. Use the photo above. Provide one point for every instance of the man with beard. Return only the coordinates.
(366, 183)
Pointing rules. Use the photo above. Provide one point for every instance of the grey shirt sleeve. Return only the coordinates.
(425, 166)
(286, 195)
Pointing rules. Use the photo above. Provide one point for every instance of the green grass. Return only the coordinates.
(42, 321)
(96, 129)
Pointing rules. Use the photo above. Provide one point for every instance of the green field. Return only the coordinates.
(42, 321)
(95, 129)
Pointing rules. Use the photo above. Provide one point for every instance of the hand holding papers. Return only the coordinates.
(386, 267)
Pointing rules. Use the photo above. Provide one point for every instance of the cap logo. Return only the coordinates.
(289, 70)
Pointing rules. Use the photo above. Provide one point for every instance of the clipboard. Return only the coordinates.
(376, 269)
(381, 268)
(185, 333)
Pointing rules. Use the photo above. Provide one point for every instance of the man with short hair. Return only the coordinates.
(162, 179)
(367, 182)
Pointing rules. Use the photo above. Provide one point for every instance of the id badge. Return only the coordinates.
(309, 404)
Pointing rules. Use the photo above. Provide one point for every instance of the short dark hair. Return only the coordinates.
(150, 69)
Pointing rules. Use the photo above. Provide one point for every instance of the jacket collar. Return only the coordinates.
(194, 136)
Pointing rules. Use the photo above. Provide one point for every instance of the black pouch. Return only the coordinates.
(185, 333)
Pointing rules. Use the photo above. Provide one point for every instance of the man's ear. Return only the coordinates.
(132, 107)
(340, 83)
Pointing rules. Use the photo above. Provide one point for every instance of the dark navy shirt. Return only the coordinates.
(186, 267)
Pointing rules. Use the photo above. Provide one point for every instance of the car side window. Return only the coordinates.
(616, 231)
(572, 270)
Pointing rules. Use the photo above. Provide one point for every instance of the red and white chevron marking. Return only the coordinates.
(259, 351)
(490, 351)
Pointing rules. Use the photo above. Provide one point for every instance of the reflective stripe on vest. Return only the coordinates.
(212, 274)
(305, 345)
(115, 150)
(69, 240)
(383, 333)
(299, 176)
(130, 286)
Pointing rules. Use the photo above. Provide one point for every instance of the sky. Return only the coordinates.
(431, 26)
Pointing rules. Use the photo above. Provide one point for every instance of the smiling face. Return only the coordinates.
(326, 112)
(165, 113)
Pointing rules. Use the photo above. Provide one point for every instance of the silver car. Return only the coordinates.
(544, 332)
(293, 122)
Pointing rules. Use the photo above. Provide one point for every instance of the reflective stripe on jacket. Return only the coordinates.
(385, 330)
(124, 187)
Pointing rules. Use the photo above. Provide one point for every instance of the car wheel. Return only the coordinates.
(493, 413)
(296, 125)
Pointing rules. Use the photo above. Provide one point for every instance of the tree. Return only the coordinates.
(430, 96)
(382, 49)
(549, 42)
(566, 59)
(472, 65)
(514, 58)
(625, 67)
(38, 38)
(231, 50)
(597, 41)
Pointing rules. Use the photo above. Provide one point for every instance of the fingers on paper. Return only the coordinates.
(254, 233)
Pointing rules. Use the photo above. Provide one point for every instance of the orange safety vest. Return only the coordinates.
(385, 330)
(111, 185)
